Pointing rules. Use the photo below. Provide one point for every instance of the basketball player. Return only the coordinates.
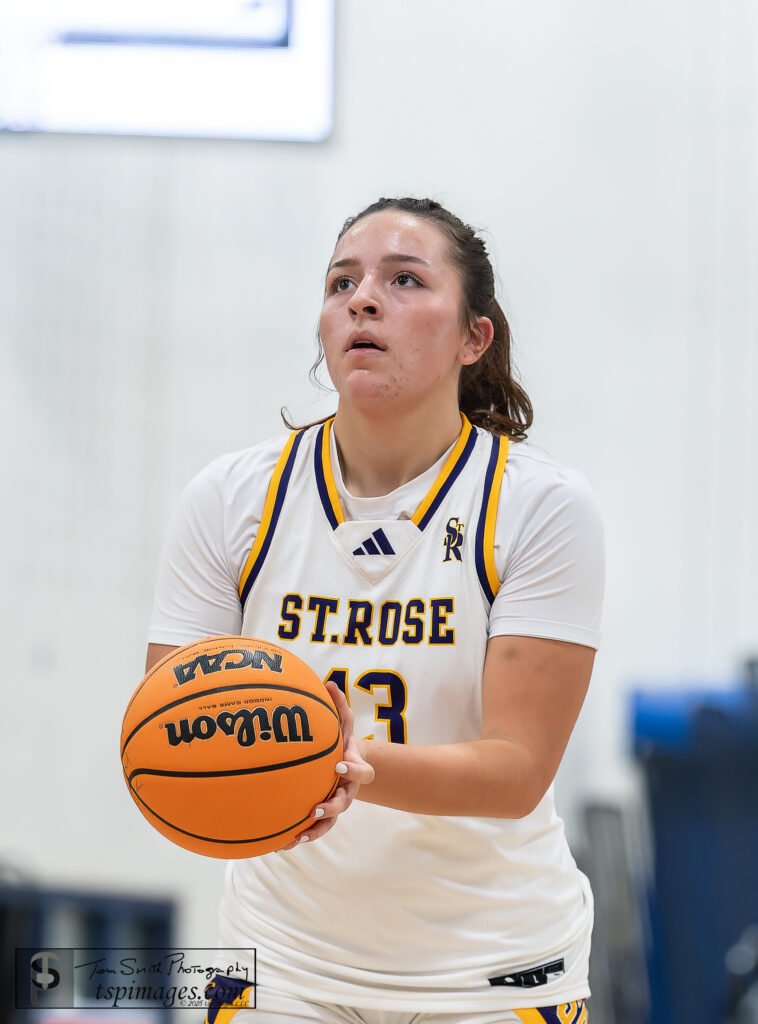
(445, 580)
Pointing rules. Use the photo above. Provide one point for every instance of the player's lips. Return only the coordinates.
(364, 341)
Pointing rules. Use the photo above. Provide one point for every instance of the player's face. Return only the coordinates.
(391, 324)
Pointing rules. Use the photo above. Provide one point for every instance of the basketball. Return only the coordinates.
(228, 743)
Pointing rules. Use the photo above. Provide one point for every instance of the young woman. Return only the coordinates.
(445, 580)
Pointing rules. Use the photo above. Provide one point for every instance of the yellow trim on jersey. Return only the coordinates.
(446, 470)
(227, 1011)
(584, 1015)
(491, 516)
(268, 511)
(326, 462)
(565, 1013)
(530, 1016)
(220, 1008)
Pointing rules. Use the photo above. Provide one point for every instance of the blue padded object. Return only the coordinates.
(698, 751)
(669, 719)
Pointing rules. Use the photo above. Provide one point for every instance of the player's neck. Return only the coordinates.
(380, 453)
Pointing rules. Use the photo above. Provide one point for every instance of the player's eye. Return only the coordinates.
(341, 284)
(405, 279)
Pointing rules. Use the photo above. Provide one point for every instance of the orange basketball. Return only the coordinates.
(228, 743)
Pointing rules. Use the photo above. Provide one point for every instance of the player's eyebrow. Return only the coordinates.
(393, 257)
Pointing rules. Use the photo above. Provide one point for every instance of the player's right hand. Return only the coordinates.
(357, 773)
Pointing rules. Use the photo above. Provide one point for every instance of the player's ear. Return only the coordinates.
(480, 335)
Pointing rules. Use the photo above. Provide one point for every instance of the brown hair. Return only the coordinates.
(489, 393)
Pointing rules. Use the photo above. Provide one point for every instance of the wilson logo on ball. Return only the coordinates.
(284, 725)
(219, 661)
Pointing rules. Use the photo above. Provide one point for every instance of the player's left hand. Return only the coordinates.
(357, 773)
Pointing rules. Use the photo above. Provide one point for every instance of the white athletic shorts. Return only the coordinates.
(284, 1009)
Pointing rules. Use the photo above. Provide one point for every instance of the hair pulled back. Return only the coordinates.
(489, 393)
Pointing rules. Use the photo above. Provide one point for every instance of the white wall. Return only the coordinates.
(158, 301)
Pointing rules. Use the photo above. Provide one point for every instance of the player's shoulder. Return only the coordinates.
(251, 459)
(534, 476)
(238, 468)
(535, 463)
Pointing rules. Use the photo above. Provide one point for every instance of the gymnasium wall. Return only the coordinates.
(158, 303)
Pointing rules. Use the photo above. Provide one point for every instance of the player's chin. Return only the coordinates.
(369, 388)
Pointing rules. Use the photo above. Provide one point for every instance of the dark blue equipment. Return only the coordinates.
(699, 754)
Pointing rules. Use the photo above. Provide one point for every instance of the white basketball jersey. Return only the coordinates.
(390, 908)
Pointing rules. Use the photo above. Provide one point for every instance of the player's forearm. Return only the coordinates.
(491, 778)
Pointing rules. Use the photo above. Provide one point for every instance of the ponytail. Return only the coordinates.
(489, 393)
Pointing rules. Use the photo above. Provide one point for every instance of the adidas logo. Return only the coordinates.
(376, 544)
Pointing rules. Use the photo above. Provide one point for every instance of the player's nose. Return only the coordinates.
(365, 299)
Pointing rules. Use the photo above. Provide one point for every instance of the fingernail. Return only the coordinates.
(303, 839)
(340, 767)
(319, 812)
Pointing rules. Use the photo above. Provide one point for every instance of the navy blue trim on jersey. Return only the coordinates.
(321, 482)
(452, 477)
(481, 569)
(275, 512)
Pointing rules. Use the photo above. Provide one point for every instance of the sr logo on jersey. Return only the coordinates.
(453, 539)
